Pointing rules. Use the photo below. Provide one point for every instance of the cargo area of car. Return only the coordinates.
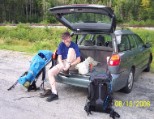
(98, 53)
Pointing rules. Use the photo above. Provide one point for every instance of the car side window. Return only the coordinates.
(132, 42)
(138, 40)
(124, 44)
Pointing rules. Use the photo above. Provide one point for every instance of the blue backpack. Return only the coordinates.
(37, 64)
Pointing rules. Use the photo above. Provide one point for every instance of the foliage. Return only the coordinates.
(36, 11)
(146, 35)
(25, 32)
(31, 38)
(27, 39)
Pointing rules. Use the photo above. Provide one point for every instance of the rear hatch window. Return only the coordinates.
(86, 17)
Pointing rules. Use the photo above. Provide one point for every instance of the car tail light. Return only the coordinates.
(114, 60)
(54, 55)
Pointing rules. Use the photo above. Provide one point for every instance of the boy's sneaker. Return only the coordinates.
(52, 97)
(45, 93)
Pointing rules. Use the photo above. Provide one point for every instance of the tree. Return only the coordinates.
(15, 11)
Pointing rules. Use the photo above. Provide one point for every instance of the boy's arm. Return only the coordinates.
(60, 59)
(78, 59)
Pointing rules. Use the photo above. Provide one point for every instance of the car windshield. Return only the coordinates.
(87, 18)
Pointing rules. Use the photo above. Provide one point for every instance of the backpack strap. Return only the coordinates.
(13, 85)
(90, 97)
(87, 108)
(112, 113)
(91, 91)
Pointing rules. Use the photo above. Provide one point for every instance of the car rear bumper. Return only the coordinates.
(80, 81)
(83, 81)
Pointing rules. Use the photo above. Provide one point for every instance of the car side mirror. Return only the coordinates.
(147, 45)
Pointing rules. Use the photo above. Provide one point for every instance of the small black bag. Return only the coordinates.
(100, 95)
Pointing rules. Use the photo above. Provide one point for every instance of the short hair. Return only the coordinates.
(65, 35)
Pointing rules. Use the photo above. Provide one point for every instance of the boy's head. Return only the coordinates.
(66, 37)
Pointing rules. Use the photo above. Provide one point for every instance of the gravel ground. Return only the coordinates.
(18, 103)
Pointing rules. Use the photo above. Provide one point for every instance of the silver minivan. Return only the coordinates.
(121, 52)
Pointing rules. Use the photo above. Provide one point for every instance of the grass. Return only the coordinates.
(141, 23)
(27, 39)
(146, 35)
(26, 46)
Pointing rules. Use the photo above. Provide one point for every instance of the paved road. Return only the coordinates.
(18, 103)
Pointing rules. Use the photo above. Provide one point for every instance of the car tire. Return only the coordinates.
(147, 69)
(128, 88)
(148, 66)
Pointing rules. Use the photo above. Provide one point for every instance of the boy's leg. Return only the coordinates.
(51, 74)
(56, 69)
(71, 56)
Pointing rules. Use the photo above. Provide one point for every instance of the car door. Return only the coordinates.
(136, 56)
(84, 18)
(143, 55)
(126, 54)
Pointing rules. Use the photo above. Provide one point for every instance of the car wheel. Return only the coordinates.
(148, 66)
(130, 81)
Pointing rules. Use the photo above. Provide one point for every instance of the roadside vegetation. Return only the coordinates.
(128, 12)
(27, 39)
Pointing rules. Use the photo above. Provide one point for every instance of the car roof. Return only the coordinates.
(122, 32)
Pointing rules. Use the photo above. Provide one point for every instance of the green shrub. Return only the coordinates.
(146, 35)
(25, 32)
(27, 39)
(33, 39)
(148, 22)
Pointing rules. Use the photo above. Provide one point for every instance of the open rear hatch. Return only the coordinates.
(86, 18)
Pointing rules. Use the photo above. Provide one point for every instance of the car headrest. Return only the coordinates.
(88, 43)
(100, 40)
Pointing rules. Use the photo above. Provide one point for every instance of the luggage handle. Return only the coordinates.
(99, 100)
